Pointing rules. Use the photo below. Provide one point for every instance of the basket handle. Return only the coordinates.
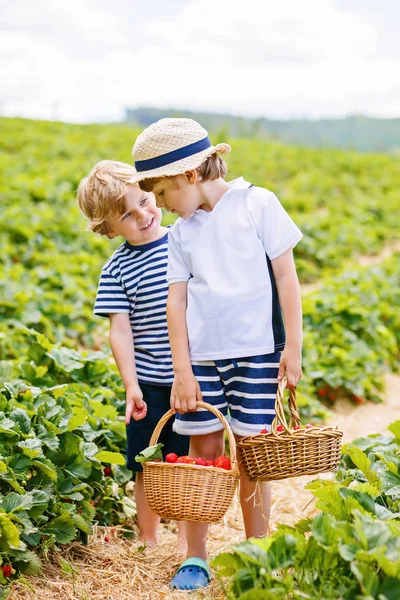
(280, 418)
(217, 413)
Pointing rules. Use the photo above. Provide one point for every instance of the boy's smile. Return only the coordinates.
(140, 224)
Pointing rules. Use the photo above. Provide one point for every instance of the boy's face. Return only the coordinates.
(178, 195)
(140, 224)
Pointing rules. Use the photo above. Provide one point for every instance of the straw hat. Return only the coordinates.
(172, 147)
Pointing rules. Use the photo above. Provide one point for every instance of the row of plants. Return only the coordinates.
(61, 444)
(352, 333)
(350, 550)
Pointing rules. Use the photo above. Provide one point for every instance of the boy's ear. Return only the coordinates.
(191, 176)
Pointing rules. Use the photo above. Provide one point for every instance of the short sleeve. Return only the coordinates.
(177, 268)
(274, 227)
(111, 296)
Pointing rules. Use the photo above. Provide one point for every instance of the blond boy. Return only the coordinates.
(132, 293)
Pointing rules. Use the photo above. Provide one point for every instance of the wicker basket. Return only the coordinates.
(289, 453)
(190, 492)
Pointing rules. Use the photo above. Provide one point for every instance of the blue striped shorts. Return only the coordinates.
(247, 386)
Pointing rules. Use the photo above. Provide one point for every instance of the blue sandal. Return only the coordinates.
(194, 573)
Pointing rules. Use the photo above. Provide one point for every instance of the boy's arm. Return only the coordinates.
(288, 288)
(121, 341)
(185, 389)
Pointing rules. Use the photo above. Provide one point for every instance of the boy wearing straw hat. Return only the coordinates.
(232, 283)
(133, 292)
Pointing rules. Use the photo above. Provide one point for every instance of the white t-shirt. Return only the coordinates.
(225, 256)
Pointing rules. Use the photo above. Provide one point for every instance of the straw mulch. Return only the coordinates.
(124, 570)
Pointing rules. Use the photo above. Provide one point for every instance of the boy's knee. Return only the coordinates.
(208, 446)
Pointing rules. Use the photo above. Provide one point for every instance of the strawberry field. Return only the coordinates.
(62, 433)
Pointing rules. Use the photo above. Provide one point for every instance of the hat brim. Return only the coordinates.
(181, 166)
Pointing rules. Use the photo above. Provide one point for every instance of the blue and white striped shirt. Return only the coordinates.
(134, 281)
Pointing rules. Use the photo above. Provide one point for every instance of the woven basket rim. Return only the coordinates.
(310, 433)
(171, 465)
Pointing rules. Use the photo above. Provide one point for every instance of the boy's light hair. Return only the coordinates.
(212, 168)
(101, 195)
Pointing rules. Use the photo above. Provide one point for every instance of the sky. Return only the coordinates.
(88, 60)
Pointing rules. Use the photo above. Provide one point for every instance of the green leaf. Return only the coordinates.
(324, 530)
(81, 524)
(129, 507)
(27, 562)
(6, 370)
(227, 564)
(112, 458)
(363, 463)
(348, 551)
(366, 577)
(62, 527)
(395, 429)
(79, 418)
(40, 499)
(9, 536)
(47, 467)
(150, 453)
(79, 468)
(31, 447)
(21, 417)
(13, 502)
(68, 360)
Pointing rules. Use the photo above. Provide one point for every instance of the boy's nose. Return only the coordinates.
(140, 214)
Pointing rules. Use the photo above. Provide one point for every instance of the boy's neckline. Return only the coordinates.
(149, 245)
(235, 184)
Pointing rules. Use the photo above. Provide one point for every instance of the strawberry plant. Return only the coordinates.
(349, 550)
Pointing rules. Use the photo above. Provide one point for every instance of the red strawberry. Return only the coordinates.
(309, 426)
(280, 428)
(91, 502)
(222, 462)
(201, 461)
(106, 538)
(210, 463)
(298, 427)
(80, 511)
(171, 457)
(264, 431)
(6, 570)
(359, 399)
(323, 391)
(186, 460)
(107, 472)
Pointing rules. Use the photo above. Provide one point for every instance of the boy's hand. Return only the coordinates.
(291, 365)
(185, 393)
(136, 407)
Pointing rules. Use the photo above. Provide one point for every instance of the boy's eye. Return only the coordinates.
(143, 201)
(128, 214)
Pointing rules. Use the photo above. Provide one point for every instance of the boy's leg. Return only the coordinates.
(181, 544)
(206, 441)
(250, 386)
(255, 501)
(148, 521)
(138, 434)
(208, 446)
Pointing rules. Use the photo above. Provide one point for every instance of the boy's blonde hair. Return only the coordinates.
(212, 168)
(101, 195)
